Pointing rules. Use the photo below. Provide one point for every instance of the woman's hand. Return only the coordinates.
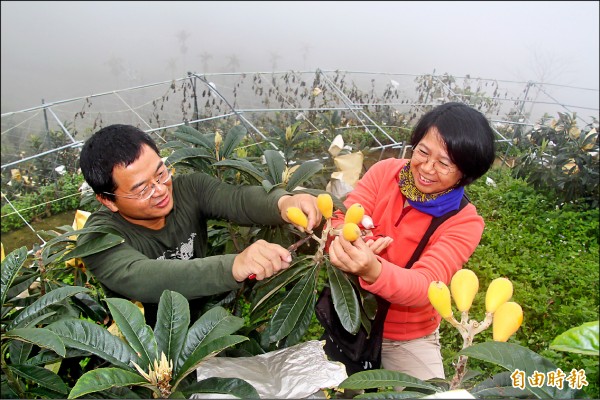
(378, 243)
(356, 257)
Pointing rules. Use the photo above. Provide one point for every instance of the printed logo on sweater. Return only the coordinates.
(184, 252)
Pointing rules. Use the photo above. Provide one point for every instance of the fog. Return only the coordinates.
(60, 50)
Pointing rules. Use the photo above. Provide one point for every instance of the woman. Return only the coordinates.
(453, 145)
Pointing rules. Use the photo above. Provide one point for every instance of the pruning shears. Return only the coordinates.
(291, 249)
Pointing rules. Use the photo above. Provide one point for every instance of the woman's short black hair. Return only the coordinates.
(114, 145)
(468, 136)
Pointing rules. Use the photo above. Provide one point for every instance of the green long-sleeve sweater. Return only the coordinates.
(173, 258)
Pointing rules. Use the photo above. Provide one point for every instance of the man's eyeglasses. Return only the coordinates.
(148, 191)
(441, 167)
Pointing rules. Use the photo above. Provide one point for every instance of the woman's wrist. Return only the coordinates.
(373, 272)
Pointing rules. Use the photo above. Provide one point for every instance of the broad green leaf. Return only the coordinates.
(213, 324)
(122, 392)
(56, 247)
(304, 172)
(103, 379)
(512, 357)
(87, 336)
(275, 165)
(11, 265)
(132, 324)
(268, 287)
(33, 322)
(498, 386)
(40, 376)
(90, 308)
(377, 378)
(95, 245)
(243, 166)
(19, 350)
(268, 186)
(234, 386)
(66, 237)
(189, 153)
(191, 135)
(41, 337)
(7, 391)
(41, 392)
(290, 310)
(582, 339)
(262, 312)
(232, 139)
(41, 304)
(19, 285)
(344, 299)
(173, 319)
(206, 350)
(303, 323)
(49, 357)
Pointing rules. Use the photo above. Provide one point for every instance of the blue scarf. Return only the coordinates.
(436, 204)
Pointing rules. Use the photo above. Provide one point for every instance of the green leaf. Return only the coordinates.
(173, 319)
(19, 351)
(41, 304)
(234, 386)
(207, 350)
(187, 153)
(290, 310)
(344, 299)
(268, 186)
(212, 325)
(53, 251)
(50, 357)
(243, 166)
(103, 379)
(512, 357)
(582, 339)
(132, 324)
(41, 337)
(304, 172)
(191, 135)
(94, 245)
(377, 378)
(232, 140)
(303, 323)
(87, 336)
(41, 376)
(498, 386)
(266, 288)
(11, 265)
(275, 165)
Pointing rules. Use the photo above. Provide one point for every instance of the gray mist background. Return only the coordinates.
(62, 50)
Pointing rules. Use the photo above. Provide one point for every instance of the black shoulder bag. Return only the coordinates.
(361, 352)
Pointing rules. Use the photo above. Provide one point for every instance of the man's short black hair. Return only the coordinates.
(114, 145)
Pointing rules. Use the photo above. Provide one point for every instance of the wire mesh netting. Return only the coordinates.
(42, 143)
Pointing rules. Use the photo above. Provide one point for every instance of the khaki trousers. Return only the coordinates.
(419, 357)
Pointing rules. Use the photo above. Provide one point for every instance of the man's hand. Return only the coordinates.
(262, 259)
(307, 203)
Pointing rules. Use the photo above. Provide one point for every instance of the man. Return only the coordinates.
(164, 222)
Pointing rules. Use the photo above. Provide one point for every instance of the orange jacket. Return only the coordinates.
(411, 315)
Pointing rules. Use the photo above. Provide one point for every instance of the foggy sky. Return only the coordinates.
(61, 50)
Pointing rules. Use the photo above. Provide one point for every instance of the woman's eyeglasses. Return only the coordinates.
(420, 155)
